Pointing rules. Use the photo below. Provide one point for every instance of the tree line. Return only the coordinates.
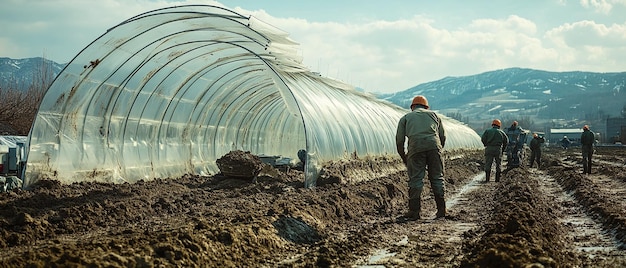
(19, 107)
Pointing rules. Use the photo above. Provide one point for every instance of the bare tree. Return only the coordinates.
(458, 116)
(20, 107)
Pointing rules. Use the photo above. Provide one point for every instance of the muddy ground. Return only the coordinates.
(549, 217)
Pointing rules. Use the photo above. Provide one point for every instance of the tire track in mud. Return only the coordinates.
(533, 222)
(488, 224)
(432, 242)
(375, 238)
(514, 223)
(590, 242)
(601, 195)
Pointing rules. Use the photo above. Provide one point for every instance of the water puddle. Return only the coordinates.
(377, 257)
(474, 183)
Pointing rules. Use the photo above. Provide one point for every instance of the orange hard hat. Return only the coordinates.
(496, 122)
(421, 100)
(585, 127)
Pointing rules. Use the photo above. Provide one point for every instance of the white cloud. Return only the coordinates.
(46, 26)
(389, 55)
(591, 45)
(407, 52)
(601, 6)
(395, 55)
(585, 33)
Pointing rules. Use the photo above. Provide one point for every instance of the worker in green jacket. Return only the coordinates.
(587, 139)
(495, 142)
(426, 138)
(535, 150)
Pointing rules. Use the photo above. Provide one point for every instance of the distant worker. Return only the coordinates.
(514, 147)
(495, 141)
(565, 142)
(587, 140)
(426, 138)
(535, 150)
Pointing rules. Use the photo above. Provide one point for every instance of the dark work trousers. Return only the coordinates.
(493, 155)
(535, 157)
(587, 154)
(419, 163)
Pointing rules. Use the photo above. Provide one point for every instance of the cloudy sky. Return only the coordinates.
(382, 46)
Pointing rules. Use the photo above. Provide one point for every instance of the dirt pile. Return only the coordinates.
(240, 164)
(522, 228)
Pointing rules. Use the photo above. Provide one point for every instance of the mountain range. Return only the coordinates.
(534, 97)
(541, 98)
(21, 73)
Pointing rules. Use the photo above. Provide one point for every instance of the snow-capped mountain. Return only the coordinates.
(517, 92)
(20, 73)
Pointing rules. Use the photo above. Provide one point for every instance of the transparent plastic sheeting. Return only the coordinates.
(11, 142)
(168, 92)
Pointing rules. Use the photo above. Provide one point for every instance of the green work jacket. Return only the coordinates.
(424, 130)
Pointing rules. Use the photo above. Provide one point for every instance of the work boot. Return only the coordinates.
(498, 176)
(415, 204)
(411, 216)
(487, 175)
(441, 207)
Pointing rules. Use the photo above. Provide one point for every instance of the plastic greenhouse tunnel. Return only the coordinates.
(167, 92)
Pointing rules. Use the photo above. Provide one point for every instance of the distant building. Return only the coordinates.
(614, 130)
(555, 135)
(12, 155)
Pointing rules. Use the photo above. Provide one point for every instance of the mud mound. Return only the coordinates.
(523, 231)
(240, 164)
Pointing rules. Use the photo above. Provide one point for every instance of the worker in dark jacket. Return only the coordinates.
(565, 142)
(587, 139)
(515, 146)
(535, 150)
(426, 138)
(495, 141)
